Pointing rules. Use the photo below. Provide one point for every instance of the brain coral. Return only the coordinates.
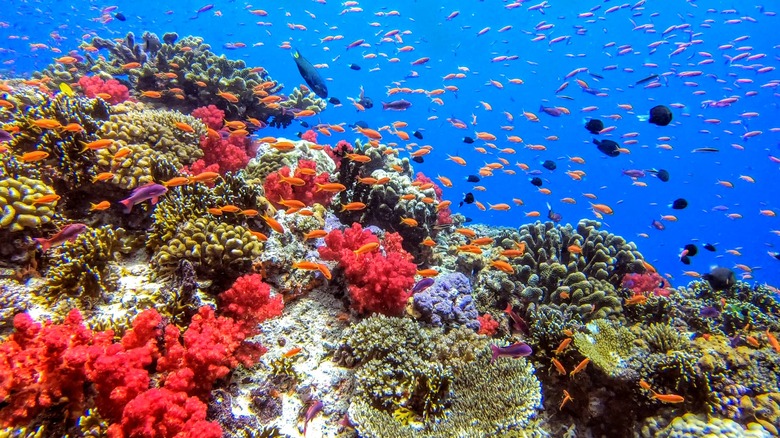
(17, 201)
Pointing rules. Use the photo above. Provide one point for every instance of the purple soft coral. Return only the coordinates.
(448, 302)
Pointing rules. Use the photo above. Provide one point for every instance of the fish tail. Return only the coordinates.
(495, 351)
(128, 203)
(45, 243)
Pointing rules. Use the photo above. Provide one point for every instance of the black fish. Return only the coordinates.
(360, 123)
(647, 79)
(334, 101)
(685, 260)
(692, 249)
(120, 16)
(418, 134)
(418, 159)
(549, 165)
(663, 175)
(709, 247)
(720, 278)
(536, 181)
(354, 66)
(679, 204)
(366, 102)
(304, 123)
(468, 140)
(467, 220)
(311, 75)
(468, 198)
(660, 115)
(472, 178)
(594, 126)
(608, 147)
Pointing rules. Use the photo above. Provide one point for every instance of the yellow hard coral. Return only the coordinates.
(17, 201)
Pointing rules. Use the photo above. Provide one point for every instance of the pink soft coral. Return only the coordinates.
(309, 135)
(250, 300)
(487, 325)
(229, 153)
(377, 282)
(276, 189)
(93, 85)
(646, 283)
(443, 215)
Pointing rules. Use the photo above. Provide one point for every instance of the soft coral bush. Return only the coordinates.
(377, 282)
(646, 283)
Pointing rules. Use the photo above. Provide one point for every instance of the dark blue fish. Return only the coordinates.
(423, 284)
(518, 349)
(311, 75)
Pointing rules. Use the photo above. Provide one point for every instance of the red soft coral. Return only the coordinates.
(377, 282)
(229, 153)
(211, 347)
(210, 115)
(276, 189)
(309, 135)
(162, 413)
(250, 300)
(337, 153)
(119, 371)
(443, 215)
(93, 85)
(42, 366)
(487, 325)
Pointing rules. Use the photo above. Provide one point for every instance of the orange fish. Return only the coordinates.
(559, 366)
(562, 346)
(292, 352)
(581, 366)
(29, 157)
(502, 266)
(353, 206)
(151, 94)
(204, 177)
(176, 181)
(368, 247)
(315, 234)
(46, 199)
(427, 273)
(429, 242)
(47, 123)
(409, 221)
(184, 127)
(667, 398)
(276, 226)
(330, 187)
(230, 97)
(103, 176)
(97, 144)
(100, 206)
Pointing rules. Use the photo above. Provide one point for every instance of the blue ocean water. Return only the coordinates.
(707, 35)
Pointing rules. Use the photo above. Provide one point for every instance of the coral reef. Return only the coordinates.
(607, 346)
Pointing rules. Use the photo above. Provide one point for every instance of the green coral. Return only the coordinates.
(607, 345)
(212, 247)
(179, 205)
(409, 383)
(82, 267)
(152, 136)
(17, 201)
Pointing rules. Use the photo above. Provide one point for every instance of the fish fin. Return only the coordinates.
(128, 205)
(155, 199)
(45, 244)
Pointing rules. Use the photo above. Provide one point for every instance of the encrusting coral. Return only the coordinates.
(20, 210)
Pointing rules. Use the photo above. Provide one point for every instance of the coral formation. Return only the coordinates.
(607, 346)
(447, 303)
(20, 210)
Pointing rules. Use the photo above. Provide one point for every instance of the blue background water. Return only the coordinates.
(542, 67)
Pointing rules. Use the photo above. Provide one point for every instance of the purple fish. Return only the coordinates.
(5, 136)
(423, 284)
(709, 312)
(67, 234)
(140, 194)
(396, 105)
(315, 408)
(551, 110)
(518, 349)
(634, 173)
(658, 225)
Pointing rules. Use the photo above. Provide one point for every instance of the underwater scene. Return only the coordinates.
(417, 218)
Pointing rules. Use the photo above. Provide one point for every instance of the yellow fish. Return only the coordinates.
(65, 88)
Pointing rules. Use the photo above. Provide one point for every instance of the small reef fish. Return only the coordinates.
(140, 194)
(313, 410)
(518, 349)
(67, 234)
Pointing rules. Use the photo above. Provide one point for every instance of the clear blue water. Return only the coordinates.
(593, 43)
